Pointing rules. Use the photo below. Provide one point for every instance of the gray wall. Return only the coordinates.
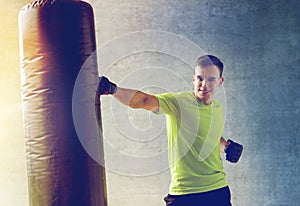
(259, 44)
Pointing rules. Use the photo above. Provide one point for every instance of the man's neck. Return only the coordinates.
(205, 101)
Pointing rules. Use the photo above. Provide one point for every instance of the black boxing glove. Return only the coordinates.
(105, 86)
(233, 151)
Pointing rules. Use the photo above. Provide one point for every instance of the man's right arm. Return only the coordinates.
(130, 97)
(136, 99)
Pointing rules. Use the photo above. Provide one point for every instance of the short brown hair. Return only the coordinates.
(210, 60)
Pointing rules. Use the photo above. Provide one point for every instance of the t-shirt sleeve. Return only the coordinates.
(167, 104)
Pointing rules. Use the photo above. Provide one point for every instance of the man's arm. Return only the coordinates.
(136, 99)
(130, 97)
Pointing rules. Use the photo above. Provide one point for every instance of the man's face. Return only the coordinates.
(206, 81)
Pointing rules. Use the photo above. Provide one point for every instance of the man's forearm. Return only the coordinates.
(128, 97)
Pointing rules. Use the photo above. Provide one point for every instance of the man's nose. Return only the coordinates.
(204, 83)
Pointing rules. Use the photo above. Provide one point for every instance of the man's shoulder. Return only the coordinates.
(173, 102)
(175, 95)
(217, 104)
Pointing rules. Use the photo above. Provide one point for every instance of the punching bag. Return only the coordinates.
(56, 38)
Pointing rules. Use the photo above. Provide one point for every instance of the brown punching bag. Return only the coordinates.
(56, 38)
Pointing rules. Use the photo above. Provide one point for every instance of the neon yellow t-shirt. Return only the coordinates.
(194, 131)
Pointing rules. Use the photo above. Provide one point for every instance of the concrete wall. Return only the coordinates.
(259, 44)
(151, 45)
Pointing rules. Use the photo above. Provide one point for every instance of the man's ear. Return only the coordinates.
(193, 78)
(221, 81)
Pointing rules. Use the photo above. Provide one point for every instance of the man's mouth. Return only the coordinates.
(204, 91)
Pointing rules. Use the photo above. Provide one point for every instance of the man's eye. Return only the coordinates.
(200, 78)
(211, 79)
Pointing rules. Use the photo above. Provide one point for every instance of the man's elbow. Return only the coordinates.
(134, 105)
(142, 103)
(138, 103)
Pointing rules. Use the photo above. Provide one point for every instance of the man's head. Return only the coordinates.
(207, 77)
(209, 60)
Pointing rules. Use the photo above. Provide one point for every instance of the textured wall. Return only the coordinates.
(259, 44)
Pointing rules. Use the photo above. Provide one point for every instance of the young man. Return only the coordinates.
(194, 129)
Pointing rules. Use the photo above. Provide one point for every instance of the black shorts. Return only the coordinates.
(219, 197)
